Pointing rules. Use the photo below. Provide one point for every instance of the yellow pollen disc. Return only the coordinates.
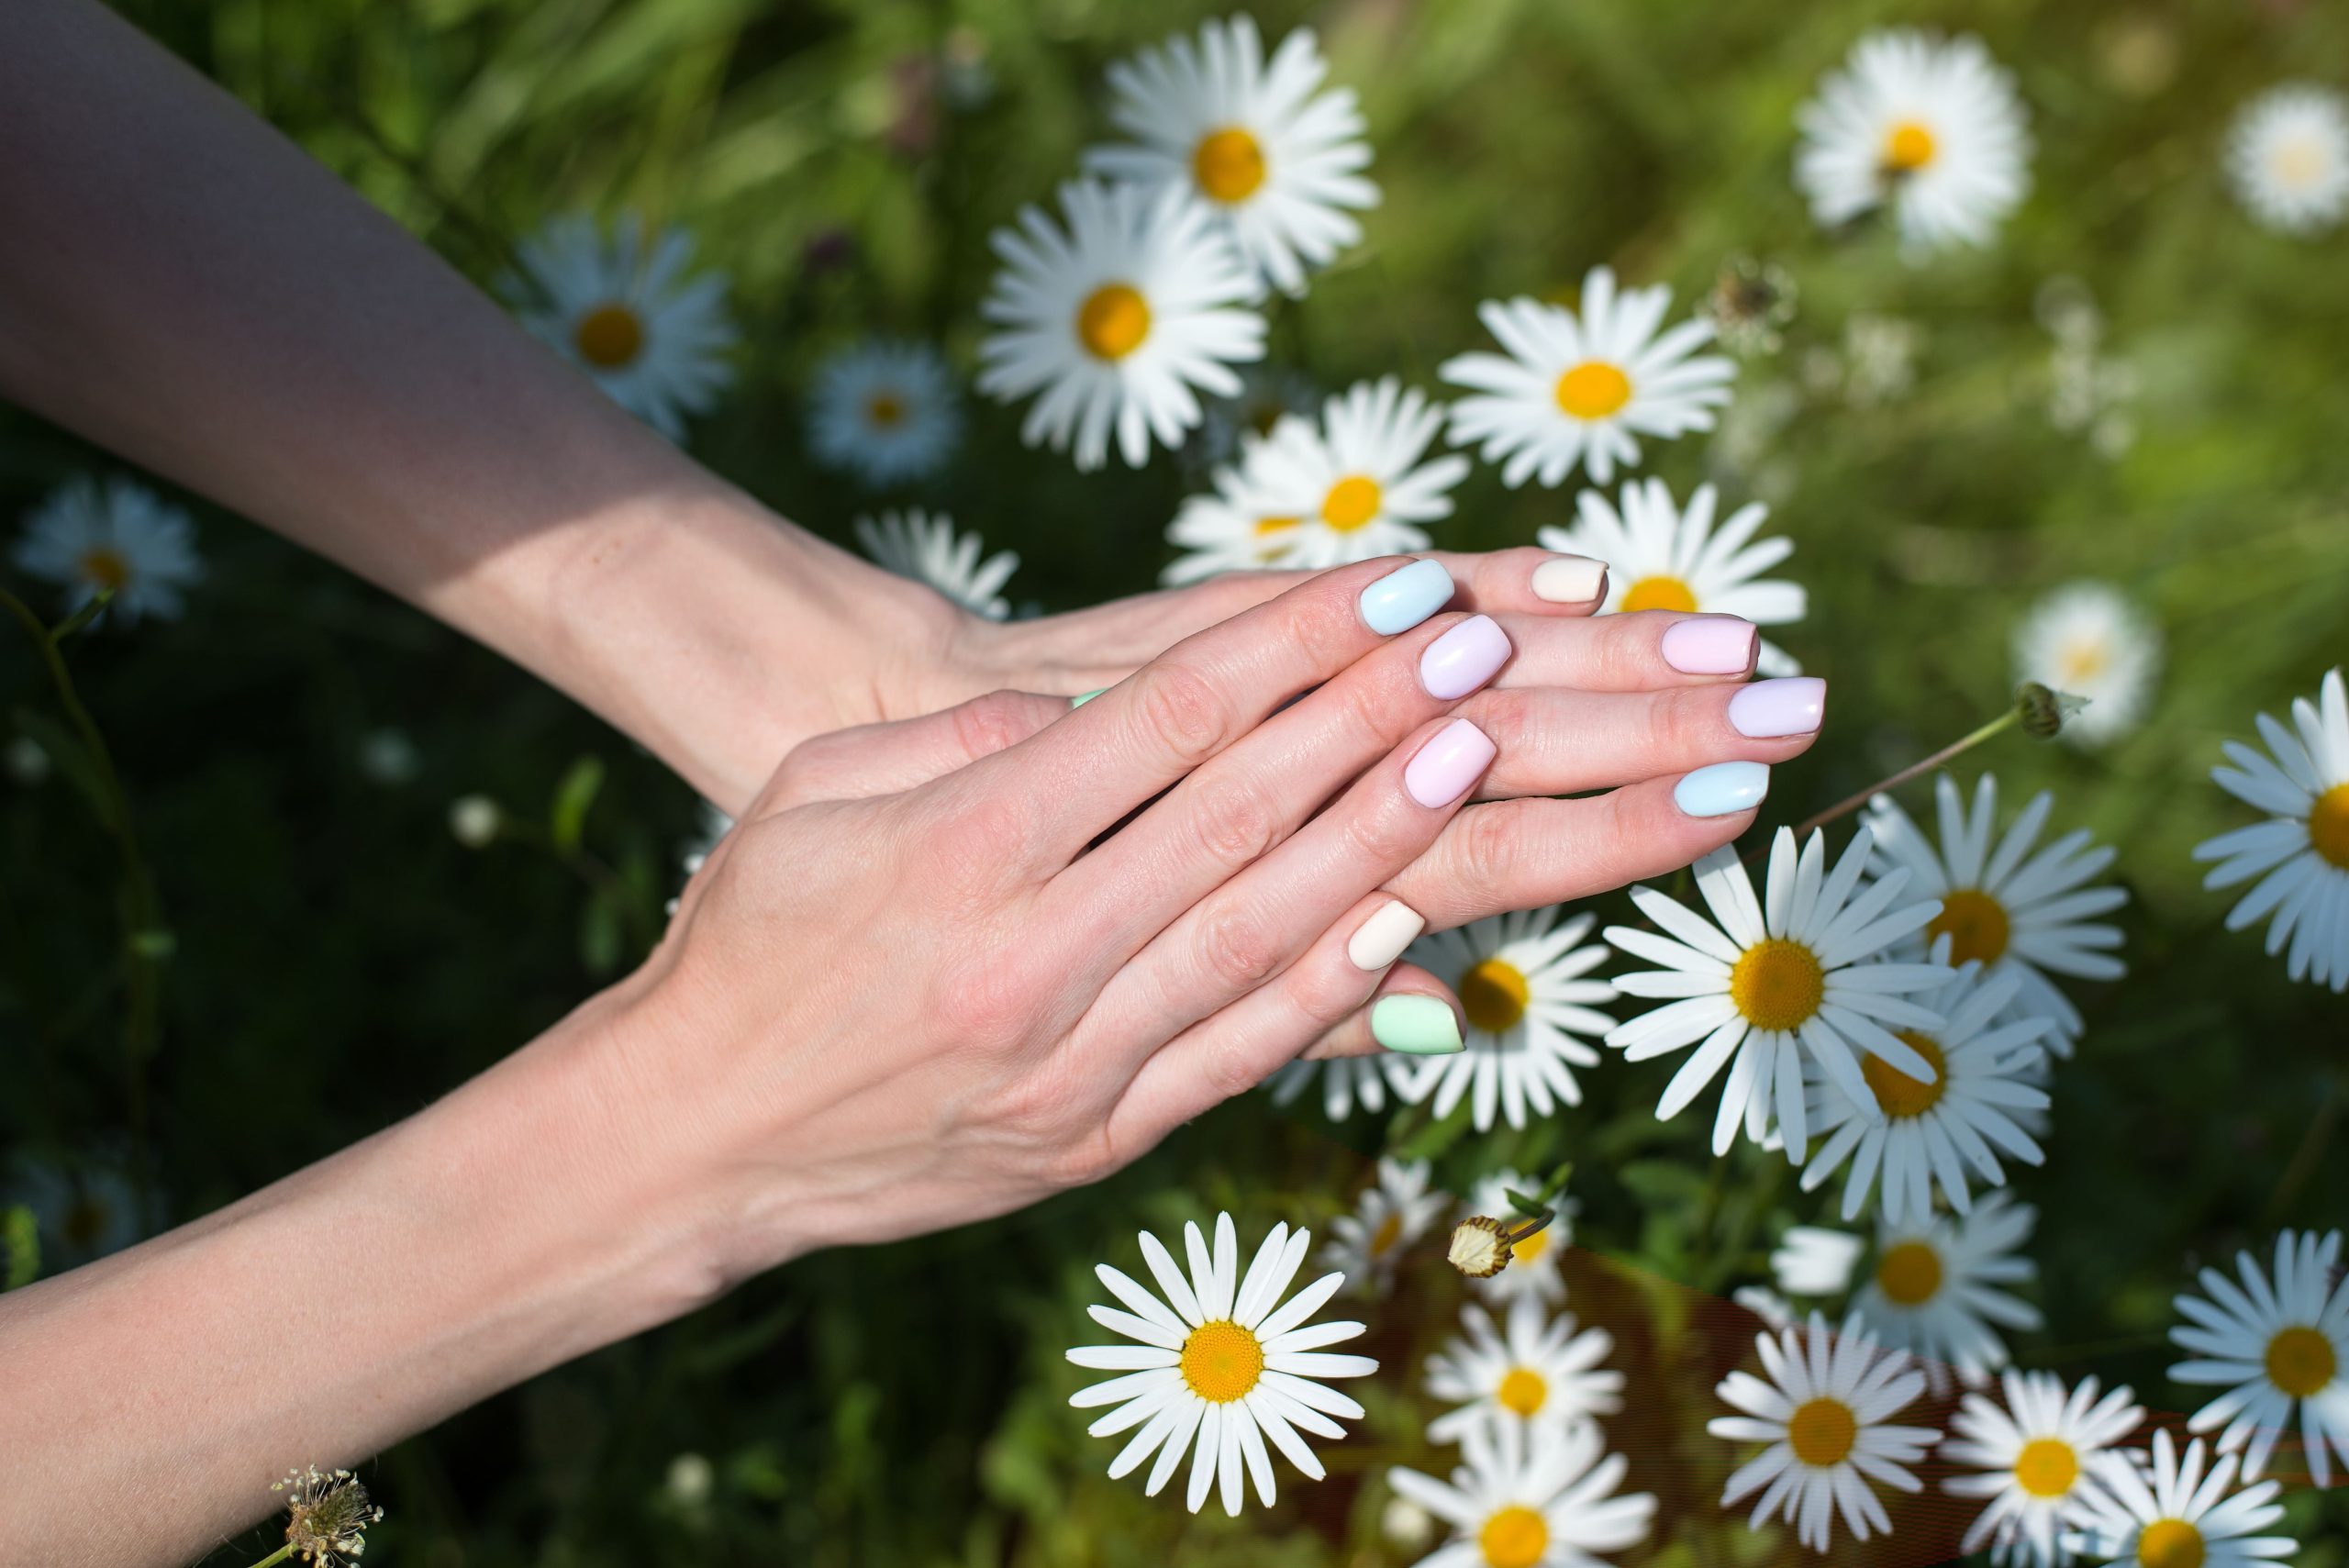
(1113, 321)
(885, 410)
(1659, 594)
(1777, 983)
(1975, 924)
(105, 567)
(1896, 1094)
(2329, 826)
(1593, 390)
(2170, 1543)
(1532, 1247)
(1822, 1433)
(2301, 1361)
(2046, 1467)
(1910, 1273)
(1221, 1361)
(1493, 995)
(1229, 164)
(2297, 164)
(1524, 1391)
(2081, 663)
(1390, 1231)
(1514, 1537)
(1352, 502)
(1909, 148)
(609, 335)
(1276, 524)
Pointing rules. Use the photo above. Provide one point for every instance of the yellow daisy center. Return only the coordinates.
(1778, 983)
(1515, 1537)
(1390, 1231)
(885, 410)
(1910, 1273)
(1221, 1361)
(2297, 162)
(1493, 995)
(2079, 664)
(1908, 147)
(2300, 1361)
(1352, 502)
(1593, 390)
(1524, 1391)
(2046, 1467)
(1659, 593)
(609, 335)
(106, 566)
(1896, 1094)
(1975, 924)
(2329, 825)
(1822, 1433)
(2170, 1543)
(1113, 321)
(1532, 1247)
(1229, 164)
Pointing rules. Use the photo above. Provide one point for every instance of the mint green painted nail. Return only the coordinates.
(1416, 1025)
(1080, 700)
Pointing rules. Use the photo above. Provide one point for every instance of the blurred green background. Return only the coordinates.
(340, 959)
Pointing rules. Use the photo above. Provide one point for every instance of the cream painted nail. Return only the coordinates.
(1569, 580)
(1380, 940)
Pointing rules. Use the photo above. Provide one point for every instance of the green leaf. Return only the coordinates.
(20, 1238)
(1432, 1141)
(599, 936)
(568, 819)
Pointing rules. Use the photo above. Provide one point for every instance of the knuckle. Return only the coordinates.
(1326, 995)
(1507, 718)
(989, 724)
(1235, 823)
(1383, 834)
(1181, 707)
(986, 1000)
(1235, 945)
(1491, 853)
(1232, 1066)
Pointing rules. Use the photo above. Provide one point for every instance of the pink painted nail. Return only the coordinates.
(1448, 764)
(1769, 710)
(1710, 645)
(1464, 658)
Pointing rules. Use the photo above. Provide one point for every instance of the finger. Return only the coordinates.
(1556, 742)
(870, 760)
(1634, 653)
(1356, 1034)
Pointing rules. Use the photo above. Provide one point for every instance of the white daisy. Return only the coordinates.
(1356, 487)
(1218, 1363)
(1521, 981)
(886, 412)
(1774, 981)
(2169, 1514)
(2039, 1457)
(1532, 1268)
(1921, 1130)
(1814, 1261)
(2281, 1340)
(1222, 530)
(2287, 158)
(915, 544)
(626, 313)
(1823, 1412)
(2090, 639)
(1266, 392)
(1938, 1290)
(1396, 1210)
(1530, 1497)
(1774, 1311)
(1115, 320)
(1931, 128)
(1577, 389)
(1661, 558)
(89, 536)
(1279, 163)
(1346, 1082)
(83, 1209)
(1536, 1368)
(2301, 853)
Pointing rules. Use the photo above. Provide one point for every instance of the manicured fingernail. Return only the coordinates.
(1416, 1025)
(1380, 940)
(1723, 788)
(1710, 645)
(1464, 658)
(1082, 697)
(1570, 580)
(1768, 709)
(1405, 597)
(1455, 758)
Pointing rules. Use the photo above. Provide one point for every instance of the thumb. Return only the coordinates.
(888, 758)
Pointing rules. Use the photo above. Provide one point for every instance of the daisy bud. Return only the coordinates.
(1480, 1246)
(473, 819)
(2044, 710)
(327, 1514)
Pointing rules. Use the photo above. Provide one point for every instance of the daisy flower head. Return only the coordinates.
(91, 536)
(1824, 1411)
(626, 312)
(1222, 529)
(1522, 981)
(1767, 981)
(2281, 1340)
(2301, 853)
(2090, 639)
(1220, 1365)
(1531, 1496)
(1774, 1311)
(1356, 487)
(1346, 1082)
(886, 412)
(1660, 557)
(1116, 317)
(1533, 1368)
(2287, 158)
(1930, 128)
(84, 1208)
(1939, 1289)
(927, 550)
(1259, 144)
(2035, 1459)
(1396, 1210)
(1813, 1262)
(2171, 1512)
(1577, 389)
(1532, 1267)
(2021, 915)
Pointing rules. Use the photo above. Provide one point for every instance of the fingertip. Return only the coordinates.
(1414, 1023)
(1570, 580)
(1722, 789)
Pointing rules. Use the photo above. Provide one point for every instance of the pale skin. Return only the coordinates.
(902, 995)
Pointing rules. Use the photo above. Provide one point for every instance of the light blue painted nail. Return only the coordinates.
(1416, 1025)
(1405, 597)
(1723, 788)
(1082, 697)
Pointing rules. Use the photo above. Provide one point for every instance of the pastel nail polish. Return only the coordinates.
(1710, 645)
(1569, 580)
(1405, 597)
(1082, 697)
(1380, 940)
(1454, 758)
(1416, 1025)
(1792, 705)
(1464, 658)
(1722, 789)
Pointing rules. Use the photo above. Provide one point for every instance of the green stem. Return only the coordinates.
(280, 1555)
(1850, 803)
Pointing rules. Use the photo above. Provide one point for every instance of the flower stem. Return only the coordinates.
(280, 1555)
(1843, 807)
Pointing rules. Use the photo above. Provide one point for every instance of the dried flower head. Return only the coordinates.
(1480, 1246)
(2045, 710)
(327, 1512)
(1751, 301)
